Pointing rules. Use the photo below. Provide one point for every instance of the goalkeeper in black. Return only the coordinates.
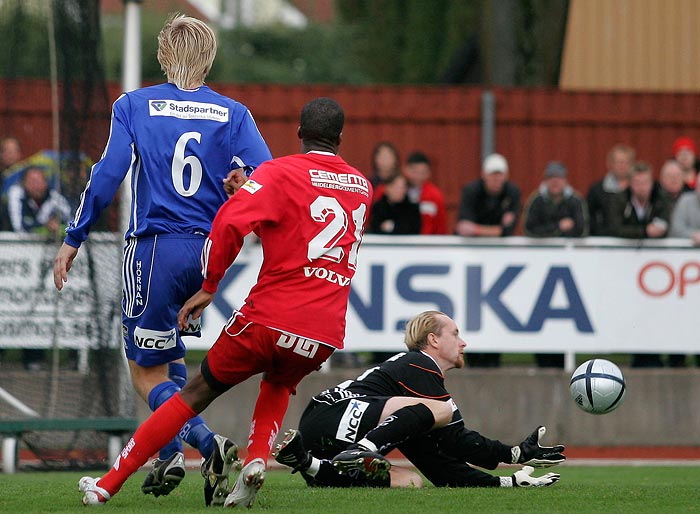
(403, 403)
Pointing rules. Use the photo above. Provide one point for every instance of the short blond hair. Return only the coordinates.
(186, 50)
(418, 328)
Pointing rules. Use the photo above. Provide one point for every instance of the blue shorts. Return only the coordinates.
(159, 274)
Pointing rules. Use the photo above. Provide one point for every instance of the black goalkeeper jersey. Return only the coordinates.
(443, 455)
(405, 374)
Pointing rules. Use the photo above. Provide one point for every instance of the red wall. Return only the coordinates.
(533, 125)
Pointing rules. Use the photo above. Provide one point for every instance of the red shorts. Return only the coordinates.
(244, 349)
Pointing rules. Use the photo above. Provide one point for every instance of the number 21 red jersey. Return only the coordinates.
(309, 211)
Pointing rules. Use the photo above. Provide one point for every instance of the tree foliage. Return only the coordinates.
(408, 41)
(490, 42)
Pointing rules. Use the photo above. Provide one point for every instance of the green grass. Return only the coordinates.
(609, 490)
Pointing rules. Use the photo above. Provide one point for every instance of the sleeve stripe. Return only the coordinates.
(204, 260)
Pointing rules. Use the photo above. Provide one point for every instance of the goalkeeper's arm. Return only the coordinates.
(524, 478)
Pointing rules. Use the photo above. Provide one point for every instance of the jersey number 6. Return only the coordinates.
(180, 161)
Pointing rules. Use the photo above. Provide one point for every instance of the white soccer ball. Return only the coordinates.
(597, 386)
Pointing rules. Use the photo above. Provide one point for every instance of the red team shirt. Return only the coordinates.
(310, 211)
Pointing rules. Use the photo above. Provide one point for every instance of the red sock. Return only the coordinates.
(270, 408)
(151, 436)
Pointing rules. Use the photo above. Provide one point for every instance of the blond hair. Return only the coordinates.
(186, 50)
(418, 328)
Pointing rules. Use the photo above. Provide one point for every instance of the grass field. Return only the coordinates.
(609, 490)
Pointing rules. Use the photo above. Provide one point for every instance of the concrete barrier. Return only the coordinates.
(660, 408)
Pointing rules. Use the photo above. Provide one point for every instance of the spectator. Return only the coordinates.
(685, 223)
(426, 194)
(394, 213)
(619, 162)
(385, 163)
(490, 205)
(555, 209)
(641, 211)
(33, 208)
(671, 180)
(684, 151)
(10, 152)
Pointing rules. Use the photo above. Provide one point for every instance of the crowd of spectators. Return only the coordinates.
(626, 203)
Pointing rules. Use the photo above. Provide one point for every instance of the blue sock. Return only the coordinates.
(177, 373)
(157, 397)
(195, 432)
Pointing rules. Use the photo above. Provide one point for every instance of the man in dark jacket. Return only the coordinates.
(620, 160)
(490, 205)
(642, 210)
(555, 209)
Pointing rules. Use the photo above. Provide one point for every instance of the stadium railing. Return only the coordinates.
(13, 429)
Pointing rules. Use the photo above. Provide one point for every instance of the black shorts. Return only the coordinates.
(331, 423)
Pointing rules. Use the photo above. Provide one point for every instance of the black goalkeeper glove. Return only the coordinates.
(524, 478)
(530, 452)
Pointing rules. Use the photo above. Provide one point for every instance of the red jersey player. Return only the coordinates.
(309, 211)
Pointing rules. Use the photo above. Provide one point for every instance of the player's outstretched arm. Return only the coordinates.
(531, 452)
(524, 478)
(194, 306)
(62, 264)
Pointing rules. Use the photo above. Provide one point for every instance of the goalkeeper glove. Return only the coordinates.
(530, 452)
(524, 478)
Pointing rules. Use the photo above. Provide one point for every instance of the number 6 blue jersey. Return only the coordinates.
(179, 145)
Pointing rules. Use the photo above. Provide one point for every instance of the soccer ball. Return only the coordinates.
(597, 386)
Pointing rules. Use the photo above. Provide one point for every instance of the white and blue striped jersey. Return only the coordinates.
(178, 145)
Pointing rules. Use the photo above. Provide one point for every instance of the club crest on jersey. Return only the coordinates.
(251, 186)
(158, 105)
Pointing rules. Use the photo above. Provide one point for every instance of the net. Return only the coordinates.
(80, 371)
(61, 353)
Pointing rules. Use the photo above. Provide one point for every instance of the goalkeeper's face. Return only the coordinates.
(451, 345)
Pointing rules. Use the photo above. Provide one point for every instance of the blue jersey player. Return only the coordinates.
(182, 143)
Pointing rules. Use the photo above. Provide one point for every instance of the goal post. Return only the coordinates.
(82, 373)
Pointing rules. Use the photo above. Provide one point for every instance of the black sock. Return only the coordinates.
(406, 422)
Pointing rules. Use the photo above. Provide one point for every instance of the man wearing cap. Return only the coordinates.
(684, 152)
(555, 209)
(489, 207)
